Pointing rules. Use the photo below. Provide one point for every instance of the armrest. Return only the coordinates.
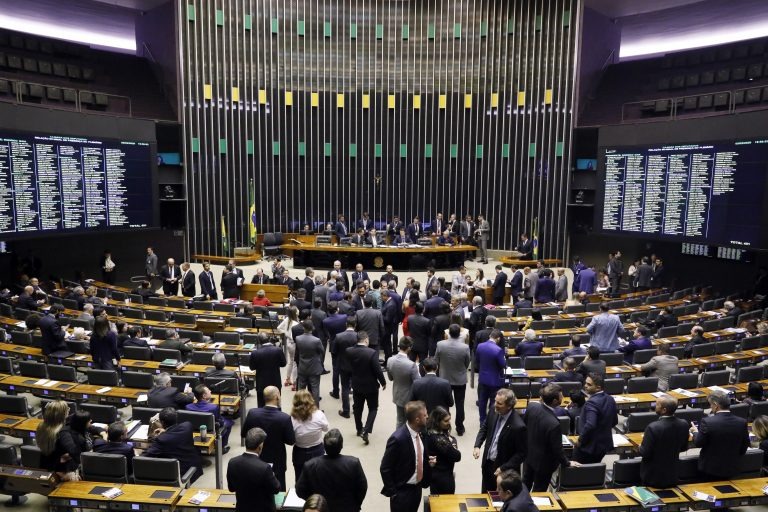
(186, 477)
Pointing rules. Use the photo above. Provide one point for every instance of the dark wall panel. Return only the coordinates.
(448, 106)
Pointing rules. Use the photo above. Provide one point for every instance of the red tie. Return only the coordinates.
(419, 460)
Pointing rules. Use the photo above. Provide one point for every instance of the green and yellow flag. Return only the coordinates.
(252, 212)
(224, 238)
(535, 238)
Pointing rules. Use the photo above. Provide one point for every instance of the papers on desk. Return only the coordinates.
(515, 372)
(539, 501)
(292, 500)
(245, 369)
(218, 344)
(702, 496)
(103, 390)
(620, 440)
(659, 394)
(80, 357)
(566, 441)
(142, 398)
(112, 493)
(50, 383)
(41, 382)
(22, 324)
(199, 497)
(735, 330)
(685, 392)
(624, 399)
(240, 329)
(141, 434)
(718, 388)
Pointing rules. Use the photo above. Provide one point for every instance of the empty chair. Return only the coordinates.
(585, 476)
(690, 414)
(749, 373)
(638, 316)
(181, 381)
(143, 414)
(21, 338)
(758, 409)
(186, 318)
(133, 313)
(33, 369)
(750, 464)
(157, 316)
(230, 338)
(78, 346)
(100, 413)
(14, 405)
(176, 302)
(140, 353)
(121, 296)
(716, 378)
(684, 380)
(236, 322)
(136, 298)
(201, 304)
(157, 301)
(642, 385)
(565, 425)
(580, 308)
(30, 456)
(703, 350)
(6, 364)
(708, 305)
(539, 362)
(193, 336)
(163, 472)
(613, 386)
(725, 347)
(612, 358)
(514, 362)
(542, 324)
(726, 322)
(683, 329)
(223, 307)
(62, 373)
(666, 332)
(637, 421)
(560, 340)
(197, 419)
(102, 377)
(200, 357)
(104, 467)
(711, 325)
(161, 354)
(644, 355)
(526, 389)
(137, 380)
(566, 323)
(626, 473)
(688, 469)
(78, 322)
(157, 333)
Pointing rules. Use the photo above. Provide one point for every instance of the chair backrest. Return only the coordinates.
(157, 316)
(140, 353)
(224, 307)
(638, 316)
(565, 424)
(104, 467)
(749, 373)
(616, 304)
(750, 464)
(642, 384)
(14, 405)
(542, 324)
(750, 343)
(136, 298)
(524, 311)
(584, 476)
(154, 471)
(539, 362)
(240, 322)
(666, 332)
(688, 468)
(144, 414)
(758, 409)
(100, 413)
(79, 322)
(740, 410)
(637, 421)
(30, 456)
(223, 386)
(197, 419)
(8, 455)
(683, 329)
(180, 381)
(514, 362)
(626, 472)
(21, 313)
(62, 373)
(579, 308)
(33, 369)
(726, 322)
(703, 350)
(633, 302)
(201, 357)
(614, 386)
(176, 302)
(557, 340)
(157, 301)
(102, 377)
(725, 347)
(690, 414)
(6, 365)
(230, 338)
(644, 355)
(523, 389)
(566, 323)
(193, 336)
(70, 303)
(161, 354)
(137, 380)
(133, 313)
(202, 304)
(711, 325)
(116, 295)
(77, 346)
(158, 333)
(21, 338)
(683, 380)
(593, 307)
(612, 358)
(185, 318)
(716, 378)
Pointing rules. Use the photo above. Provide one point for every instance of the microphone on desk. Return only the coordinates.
(296, 241)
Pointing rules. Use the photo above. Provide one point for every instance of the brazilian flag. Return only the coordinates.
(224, 238)
(252, 212)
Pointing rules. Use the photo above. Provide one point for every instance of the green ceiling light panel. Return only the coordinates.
(431, 31)
(403, 150)
(327, 149)
(248, 22)
(379, 31)
(377, 150)
(300, 28)
(479, 151)
(539, 22)
(195, 145)
(352, 150)
(220, 17)
(274, 25)
(191, 13)
(275, 148)
(566, 18)
(511, 26)
(532, 150)
(483, 29)
(353, 30)
(327, 29)
(505, 150)
(223, 146)
(302, 148)
(406, 31)
(428, 151)
(457, 30)
(249, 146)
(454, 150)
(559, 148)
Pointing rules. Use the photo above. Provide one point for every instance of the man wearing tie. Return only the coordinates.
(340, 228)
(467, 230)
(187, 281)
(366, 224)
(525, 247)
(375, 238)
(483, 229)
(394, 229)
(414, 230)
(438, 225)
(405, 466)
(170, 275)
(207, 285)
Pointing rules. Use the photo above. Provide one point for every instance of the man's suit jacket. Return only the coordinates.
(561, 289)
(317, 316)
(177, 443)
(334, 324)
(545, 290)
(545, 446)
(399, 462)
(254, 483)
(366, 370)
(308, 284)
(520, 503)
(512, 446)
(490, 364)
(279, 429)
(403, 373)
(452, 357)
(343, 276)
(260, 279)
(390, 315)
(568, 376)
(466, 230)
(266, 361)
(371, 321)
(485, 229)
(340, 479)
(366, 224)
(27, 302)
(309, 355)
(587, 281)
(420, 329)
(343, 341)
(116, 448)
(53, 335)
(386, 278)
(433, 391)
(414, 231)
(439, 325)
(302, 304)
(526, 248)
(394, 228)
(321, 292)
(663, 441)
(208, 285)
(162, 397)
(499, 284)
(165, 273)
(723, 439)
(229, 288)
(188, 284)
(357, 239)
(432, 306)
(438, 226)
(150, 264)
(516, 284)
(644, 275)
(598, 417)
(341, 229)
(359, 277)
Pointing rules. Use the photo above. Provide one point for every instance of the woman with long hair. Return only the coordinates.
(104, 351)
(760, 429)
(316, 503)
(285, 328)
(309, 423)
(442, 445)
(409, 308)
(60, 444)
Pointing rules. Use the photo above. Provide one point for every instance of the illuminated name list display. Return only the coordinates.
(52, 183)
(710, 192)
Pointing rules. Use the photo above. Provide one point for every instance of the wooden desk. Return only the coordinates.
(588, 501)
(754, 488)
(115, 395)
(223, 260)
(276, 293)
(19, 384)
(674, 500)
(219, 500)
(724, 497)
(509, 260)
(26, 429)
(372, 257)
(80, 495)
(8, 422)
(554, 505)
(451, 502)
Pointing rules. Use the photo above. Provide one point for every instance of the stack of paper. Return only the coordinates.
(685, 392)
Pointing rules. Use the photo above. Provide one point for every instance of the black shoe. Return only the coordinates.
(226, 450)
(334, 395)
(325, 372)
(460, 430)
(344, 415)
(365, 438)
(359, 433)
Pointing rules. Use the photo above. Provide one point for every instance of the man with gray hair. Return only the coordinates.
(165, 395)
(250, 478)
(723, 438)
(218, 372)
(321, 291)
(173, 342)
(87, 315)
(663, 441)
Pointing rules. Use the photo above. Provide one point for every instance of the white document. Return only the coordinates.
(142, 398)
(50, 383)
(620, 440)
(292, 500)
(104, 389)
(141, 434)
(41, 382)
(541, 501)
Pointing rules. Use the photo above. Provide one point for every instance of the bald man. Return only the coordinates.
(170, 274)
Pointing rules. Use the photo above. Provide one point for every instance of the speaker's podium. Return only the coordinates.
(276, 293)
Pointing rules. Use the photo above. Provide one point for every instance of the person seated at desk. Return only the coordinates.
(663, 365)
(173, 342)
(593, 363)
(116, 443)
(569, 373)
(760, 429)
(133, 339)
(401, 238)
(144, 290)
(328, 230)
(666, 318)
(284, 279)
(165, 395)
(307, 230)
(219, 371)
(522, 303)
(446, 239)
(514, 493)
(260, 277)
(61, 444)
(575, 350)
(755, 393)
(27, 300)
(374, 238)
(697, 338)
(641, 342)
(176, 441)
(203, 404)
(603, 282)
(92, 298)
(261, 299)
(530, 346)
(358, 238)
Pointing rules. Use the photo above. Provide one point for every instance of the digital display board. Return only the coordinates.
(55, 183)
(704, 193)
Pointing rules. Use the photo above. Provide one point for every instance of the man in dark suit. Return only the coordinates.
(207, 283)
(333, 324)
(260, 277)
(545, 447)
(390, 316)
(372, 322)
(366, 378)
(516, 284)
(644, 275)
(592, 364)
(420, 329)
(440, 325)
(300, 301)
(432, 390)
(170, 275)
(309, 354)
(523, 302)
(525, 247)
(203, 404)
(415, 230)
(514, 493)
(317, 315)
(173, 342)
(569, 373)
(388, 276)
(359, 275)
(405, 468)
(499, 286)
(598, 417)
(54, 337)
(309, 281)
(279, 429)
(230, 284)
(251, 478)
(164, 395)
(176, 441)
(340, 478)
(341, 274)
(266, 361)
(504, 435)
(187, 281)
(393, 228)
(26, 300)
(116, 443)
(219, 371)
(663, 441)
(343, 341)
(723, 438)
(340, 228)
(432, 304)
(358, 238)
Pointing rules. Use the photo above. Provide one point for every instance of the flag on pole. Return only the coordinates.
(535, 238)
(252, 212)
(224, 238)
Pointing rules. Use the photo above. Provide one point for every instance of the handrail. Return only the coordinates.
(78, 107)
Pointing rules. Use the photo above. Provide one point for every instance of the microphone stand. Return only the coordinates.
(217, 433)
